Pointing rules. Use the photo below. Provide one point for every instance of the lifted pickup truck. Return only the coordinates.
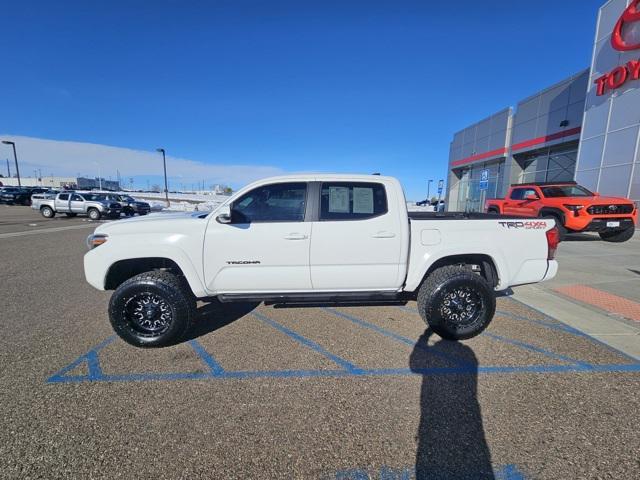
(574, 208)
(94, 205)
(314, 239)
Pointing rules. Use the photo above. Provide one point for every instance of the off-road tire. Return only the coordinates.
(493, 211)
(173, 292)
(47, 212)
(618, 236)
(94, 214)
(446, 284)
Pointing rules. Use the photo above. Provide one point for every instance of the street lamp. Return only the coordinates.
(429, 189)
(15, 157)
(164, 164)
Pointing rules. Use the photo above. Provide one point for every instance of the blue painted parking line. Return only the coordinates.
(349, 367)
(506, 472)
(214, 370)
(214, 367)
(387, 333)
(533, 348)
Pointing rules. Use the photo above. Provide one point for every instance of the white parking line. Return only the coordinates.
(46, 230)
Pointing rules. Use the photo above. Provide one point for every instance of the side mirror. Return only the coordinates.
(531, 197)
(224, 215)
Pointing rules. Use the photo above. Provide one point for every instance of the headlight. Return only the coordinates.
(574, 208)
(95, 240)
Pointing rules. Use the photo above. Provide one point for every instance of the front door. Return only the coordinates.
(77, 203)
(357, 239)
(265, 248)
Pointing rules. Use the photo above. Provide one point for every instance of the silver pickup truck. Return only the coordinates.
(95, 205)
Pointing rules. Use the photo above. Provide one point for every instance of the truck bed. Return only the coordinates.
(417, 215)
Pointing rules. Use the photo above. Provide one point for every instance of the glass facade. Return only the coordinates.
(470, 197)
(554, 164)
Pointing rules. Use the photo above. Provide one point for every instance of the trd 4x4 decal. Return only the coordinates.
(532, 225)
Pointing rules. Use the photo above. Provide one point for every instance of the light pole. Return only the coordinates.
(164, 164)
(429, 189)
(15, 157)
(99, 177)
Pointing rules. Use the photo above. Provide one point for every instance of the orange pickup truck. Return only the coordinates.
(574, 208)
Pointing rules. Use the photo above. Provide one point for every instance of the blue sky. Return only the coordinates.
(296, 86)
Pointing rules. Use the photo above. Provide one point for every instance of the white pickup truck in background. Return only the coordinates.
(315, 239)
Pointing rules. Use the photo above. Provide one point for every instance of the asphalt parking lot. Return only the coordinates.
(259, 392)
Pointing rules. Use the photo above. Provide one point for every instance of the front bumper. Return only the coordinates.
(609, 224)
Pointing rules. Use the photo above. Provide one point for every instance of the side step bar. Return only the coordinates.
(293, 300)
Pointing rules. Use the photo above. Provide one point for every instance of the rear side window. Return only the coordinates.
(280, 202)
(63, 196)
(352, 201)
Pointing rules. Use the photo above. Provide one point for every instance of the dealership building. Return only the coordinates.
(585, 128)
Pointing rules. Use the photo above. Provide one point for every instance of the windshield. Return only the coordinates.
(565, 191)
(127, 198)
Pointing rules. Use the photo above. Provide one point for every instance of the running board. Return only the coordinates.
(319, 299)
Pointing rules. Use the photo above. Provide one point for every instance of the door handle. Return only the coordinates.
(296, 236)
(383, 235)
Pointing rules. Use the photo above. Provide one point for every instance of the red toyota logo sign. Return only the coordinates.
(630, 15)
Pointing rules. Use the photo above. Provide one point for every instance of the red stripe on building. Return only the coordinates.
(481, 156)
(545, 139)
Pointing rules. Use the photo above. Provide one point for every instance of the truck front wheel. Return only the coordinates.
(152, 309)
(94, 214)
(456, 303)
(618, 236)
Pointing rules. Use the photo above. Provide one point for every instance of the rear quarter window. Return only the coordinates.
(352, 201)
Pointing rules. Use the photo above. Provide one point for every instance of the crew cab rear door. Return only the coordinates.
(61, 202)
(357, 237)
(265, 248)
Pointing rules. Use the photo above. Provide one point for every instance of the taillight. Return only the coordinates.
(553, 239)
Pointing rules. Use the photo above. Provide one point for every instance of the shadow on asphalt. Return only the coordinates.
(213, 316)
(451, 439)
(581, 237)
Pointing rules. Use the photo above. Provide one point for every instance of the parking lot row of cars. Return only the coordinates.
(95, 205)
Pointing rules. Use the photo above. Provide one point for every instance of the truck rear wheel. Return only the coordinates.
(152, 309)
(618, 236)
(456, 303)
(47, 212)
(94, 214)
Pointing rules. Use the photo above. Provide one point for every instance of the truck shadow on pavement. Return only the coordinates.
(213, 316)
(451, 439)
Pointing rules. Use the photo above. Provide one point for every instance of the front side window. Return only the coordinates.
(76, 198)
(280, 202)
(352, 201)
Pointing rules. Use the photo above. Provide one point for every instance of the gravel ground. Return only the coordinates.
(367, 396)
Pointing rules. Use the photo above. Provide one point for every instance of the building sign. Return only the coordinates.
(628, 25)
(484, 179)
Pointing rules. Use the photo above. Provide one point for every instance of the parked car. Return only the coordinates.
(94, 205)
(15, 196)
(130, 206)
(574, 208)
(310, 239)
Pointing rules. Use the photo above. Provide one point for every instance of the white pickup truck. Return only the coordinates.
(315, 239)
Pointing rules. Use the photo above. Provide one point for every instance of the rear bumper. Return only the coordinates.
(608, 224)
